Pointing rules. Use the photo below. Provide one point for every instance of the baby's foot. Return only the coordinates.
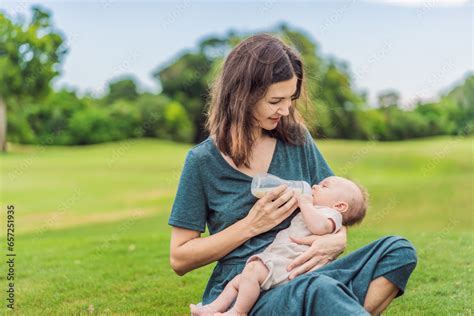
(204, 310)
(231, 312)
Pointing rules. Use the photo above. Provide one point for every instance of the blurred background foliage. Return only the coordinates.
(31, 54)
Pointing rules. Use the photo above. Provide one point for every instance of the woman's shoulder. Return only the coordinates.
(307, 134)
(309, 139)
(200, 152)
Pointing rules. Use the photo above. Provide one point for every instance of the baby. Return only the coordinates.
(335, 201)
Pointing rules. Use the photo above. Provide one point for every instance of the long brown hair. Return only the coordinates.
(248, 71)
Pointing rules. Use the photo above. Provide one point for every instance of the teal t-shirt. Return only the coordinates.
(211, 192)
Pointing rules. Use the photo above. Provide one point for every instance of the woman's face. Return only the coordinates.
(275, 104)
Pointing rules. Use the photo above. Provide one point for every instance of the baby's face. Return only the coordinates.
(332, 190)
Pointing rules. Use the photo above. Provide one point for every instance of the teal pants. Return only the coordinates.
(340, 287)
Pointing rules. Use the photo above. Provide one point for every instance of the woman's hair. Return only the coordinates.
(248, 71)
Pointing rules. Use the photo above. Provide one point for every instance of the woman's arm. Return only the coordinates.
(189, 251)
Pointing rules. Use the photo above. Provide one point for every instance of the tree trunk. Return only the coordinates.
(3, 125)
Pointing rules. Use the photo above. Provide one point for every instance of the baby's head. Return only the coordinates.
(347, 197)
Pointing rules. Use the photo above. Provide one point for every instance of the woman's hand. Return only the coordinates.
(323, 249)
(269, 211)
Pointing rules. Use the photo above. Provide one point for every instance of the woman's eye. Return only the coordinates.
(275, 102)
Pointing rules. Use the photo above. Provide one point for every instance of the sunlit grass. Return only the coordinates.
(92, 233)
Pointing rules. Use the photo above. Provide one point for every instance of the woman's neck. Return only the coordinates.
(258, 134)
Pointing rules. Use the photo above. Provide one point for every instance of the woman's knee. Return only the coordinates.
(334, 293)
(402, 249)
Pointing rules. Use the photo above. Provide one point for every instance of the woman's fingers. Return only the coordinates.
(305, 256)
(305, 267)
(286, 209)
(273, 194)
(285, 197)
(308, 240)
(322, 263)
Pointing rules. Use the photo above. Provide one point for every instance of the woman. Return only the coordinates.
(254, 127)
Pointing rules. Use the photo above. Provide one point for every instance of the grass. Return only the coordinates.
(92, 234)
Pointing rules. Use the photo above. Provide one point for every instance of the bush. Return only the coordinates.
(126, 120)
(374, 124)
(162, 118)
(151, 109)
(49, 119)
(90, 126)
(437, 117)
(19, 131)
(405, 124)
(97, 124)
(178, 126)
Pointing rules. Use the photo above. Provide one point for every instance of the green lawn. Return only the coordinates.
(92, 233)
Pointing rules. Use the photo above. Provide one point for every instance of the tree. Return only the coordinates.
(124, 88)
(342, 102)
(185, 81)
(388, 98)
(460, 100)
(314, 113)
(163, 118)
(49, 119)
(30, 56)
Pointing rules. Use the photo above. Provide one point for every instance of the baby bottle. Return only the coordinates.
(264, 182)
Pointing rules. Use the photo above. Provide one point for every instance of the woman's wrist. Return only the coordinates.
(247, 228)
(340, 242)
(331, 245)
(343, 236)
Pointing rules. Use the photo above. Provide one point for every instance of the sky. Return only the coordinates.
(420, 48)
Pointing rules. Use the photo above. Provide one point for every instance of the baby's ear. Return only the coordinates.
(341, 206)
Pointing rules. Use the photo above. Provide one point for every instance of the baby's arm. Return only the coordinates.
(317, 223)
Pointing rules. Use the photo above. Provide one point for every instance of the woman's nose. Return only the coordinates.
(315, 187)
(285, 109)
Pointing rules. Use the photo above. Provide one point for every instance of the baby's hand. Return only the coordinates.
(303, 198)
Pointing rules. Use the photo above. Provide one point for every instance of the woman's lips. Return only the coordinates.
(276, 120)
